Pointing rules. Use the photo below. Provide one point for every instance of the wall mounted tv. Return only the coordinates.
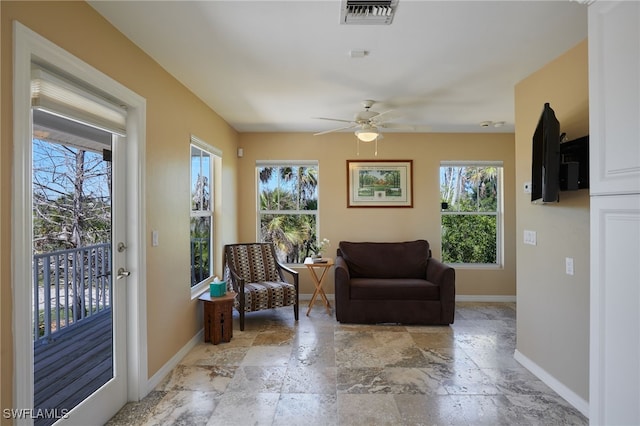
(545, 163)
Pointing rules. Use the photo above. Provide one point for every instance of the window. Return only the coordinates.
(471, 219)
(288, 208)
(202, 203)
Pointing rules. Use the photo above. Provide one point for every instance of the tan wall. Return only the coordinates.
(337, 222)
(173, 114)
(553, 308)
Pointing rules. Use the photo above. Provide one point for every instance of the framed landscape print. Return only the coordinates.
(373, 183)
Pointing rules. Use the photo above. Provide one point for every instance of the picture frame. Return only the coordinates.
(385, 183)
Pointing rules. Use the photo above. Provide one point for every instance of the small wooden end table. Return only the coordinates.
(218, 317)
(323, 266)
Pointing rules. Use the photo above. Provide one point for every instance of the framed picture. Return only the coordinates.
(373, 183)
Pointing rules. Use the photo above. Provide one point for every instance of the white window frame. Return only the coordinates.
(215, 162)
(285, 163)
(499, 213)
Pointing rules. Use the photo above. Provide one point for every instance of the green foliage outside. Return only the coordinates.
(288, 210)
(469, 239)
(201, 216)
(200, 249)
(469, 197)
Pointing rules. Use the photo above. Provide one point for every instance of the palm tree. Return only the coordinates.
(452, 186)
(484, 184)
(307, 182)
(288, 188)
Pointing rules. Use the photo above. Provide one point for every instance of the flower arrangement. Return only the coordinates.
(321, 246)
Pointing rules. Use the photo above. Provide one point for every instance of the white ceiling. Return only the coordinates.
(271, 66)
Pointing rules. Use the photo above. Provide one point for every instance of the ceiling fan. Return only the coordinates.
(368, 123)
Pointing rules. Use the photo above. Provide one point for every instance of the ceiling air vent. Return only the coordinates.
(367, 12)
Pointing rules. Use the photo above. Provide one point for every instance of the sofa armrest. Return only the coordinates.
(342, 280)
(445, 277)
(440, 273)
(342, 271)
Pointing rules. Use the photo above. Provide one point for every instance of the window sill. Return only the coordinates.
(482, 266)
(197, 289)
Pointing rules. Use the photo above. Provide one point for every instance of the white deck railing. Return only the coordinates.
(69, 286)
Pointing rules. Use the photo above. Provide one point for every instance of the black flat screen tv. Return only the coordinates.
(545, 163)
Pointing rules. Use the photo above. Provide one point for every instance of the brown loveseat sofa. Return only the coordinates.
(392, 283)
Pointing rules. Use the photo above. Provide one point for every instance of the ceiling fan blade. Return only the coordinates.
(398, 126)
(335, 130)
(333, 119)
(380, 114)
(385, 116)
(407, 127)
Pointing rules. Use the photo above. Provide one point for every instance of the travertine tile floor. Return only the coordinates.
(320, 372)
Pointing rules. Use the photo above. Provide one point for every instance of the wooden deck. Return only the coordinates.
(73, 364)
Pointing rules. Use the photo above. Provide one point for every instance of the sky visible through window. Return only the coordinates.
(198, 164)
(53, 170)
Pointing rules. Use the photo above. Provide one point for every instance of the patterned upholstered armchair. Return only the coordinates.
(254, 273)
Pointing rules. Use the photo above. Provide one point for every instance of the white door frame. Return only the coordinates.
(29, 45)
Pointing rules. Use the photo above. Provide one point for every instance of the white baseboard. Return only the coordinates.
(484, 298)
(459, 298)
(570, 396)
(171, 364)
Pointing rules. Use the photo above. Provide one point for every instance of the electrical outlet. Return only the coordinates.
(568, 263)
(530, 237)
(154, 239)
(527, 187)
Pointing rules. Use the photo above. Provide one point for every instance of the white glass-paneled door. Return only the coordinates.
(76, 288)
(78, 254)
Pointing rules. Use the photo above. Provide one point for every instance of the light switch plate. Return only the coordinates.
(568, 263)
(530, 237)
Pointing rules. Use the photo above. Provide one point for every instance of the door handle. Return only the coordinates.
(122, 274)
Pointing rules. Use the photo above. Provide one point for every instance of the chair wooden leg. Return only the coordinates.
(241, 306)
(295, 311)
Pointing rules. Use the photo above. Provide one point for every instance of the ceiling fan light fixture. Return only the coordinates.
(367, 135)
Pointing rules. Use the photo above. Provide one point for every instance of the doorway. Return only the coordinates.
(94, 292)
(74, 294)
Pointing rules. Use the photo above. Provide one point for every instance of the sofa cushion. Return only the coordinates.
(393, 289)
(386, 260)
